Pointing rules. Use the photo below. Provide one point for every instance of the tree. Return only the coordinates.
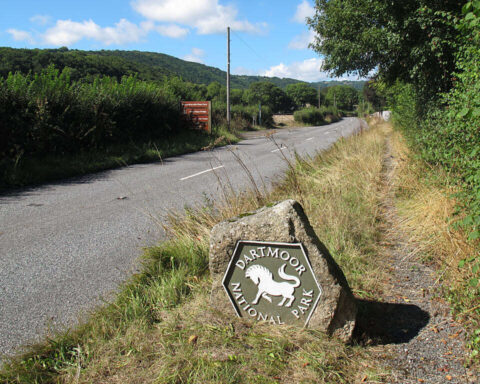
(236, 96)
(216, 91)
(371, 94)
(343, 96)
(409, 40)
(301, 94)
(268, 94)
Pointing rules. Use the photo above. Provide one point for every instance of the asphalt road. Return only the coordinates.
(66, 246)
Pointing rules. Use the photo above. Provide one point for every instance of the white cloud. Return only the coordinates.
(304, 10)
(172, 30)
(207, 16)
(40, 19)
(309, 70)
(244, 71)
(302, 41)
(196, 55)
(19, 35)
(68, 32)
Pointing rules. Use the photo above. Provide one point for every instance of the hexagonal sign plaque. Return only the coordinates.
(272, 282)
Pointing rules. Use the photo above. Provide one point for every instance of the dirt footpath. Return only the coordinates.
(423, 343)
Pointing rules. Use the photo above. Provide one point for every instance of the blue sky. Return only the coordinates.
(268, 37)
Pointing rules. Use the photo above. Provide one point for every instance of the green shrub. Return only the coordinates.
(450, 137)
(317, 116)
(310, 115)
(241, 116)
(47, 113)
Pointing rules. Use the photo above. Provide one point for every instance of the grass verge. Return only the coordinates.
(425, 197)
(160, 328)
(28, 171)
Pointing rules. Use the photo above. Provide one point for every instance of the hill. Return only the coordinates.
(357, 84)
(149, 66)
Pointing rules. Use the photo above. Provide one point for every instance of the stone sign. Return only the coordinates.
(273, 282)
(270, 266)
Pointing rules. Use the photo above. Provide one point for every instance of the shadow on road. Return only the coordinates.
(7, 193)
(388, 323)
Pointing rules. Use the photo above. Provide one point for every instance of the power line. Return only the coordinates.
(264, 61)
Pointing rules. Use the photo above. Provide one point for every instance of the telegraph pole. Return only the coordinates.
(228, 77)
(260, 113)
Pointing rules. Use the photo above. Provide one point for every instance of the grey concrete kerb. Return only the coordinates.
(286, 222)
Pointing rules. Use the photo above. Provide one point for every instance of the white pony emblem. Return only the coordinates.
(262, 277)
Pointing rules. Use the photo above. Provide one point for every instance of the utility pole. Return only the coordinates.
(260, 113)
(228, 77)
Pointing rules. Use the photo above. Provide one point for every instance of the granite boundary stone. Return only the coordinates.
(286, 222)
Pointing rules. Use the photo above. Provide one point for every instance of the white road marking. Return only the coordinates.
(279, 149)
(310, 138)
(325, 133)
(201, 173)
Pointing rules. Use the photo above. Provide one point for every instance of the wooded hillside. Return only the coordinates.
(150, 66)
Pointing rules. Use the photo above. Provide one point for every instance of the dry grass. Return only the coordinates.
(427, 207)
(160, 329)
(340, 193)
(193, 344)
(284, 121)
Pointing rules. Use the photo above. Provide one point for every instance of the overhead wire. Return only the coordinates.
(263, 60)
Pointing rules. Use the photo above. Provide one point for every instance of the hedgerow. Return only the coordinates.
(48, 113)
(449, 135)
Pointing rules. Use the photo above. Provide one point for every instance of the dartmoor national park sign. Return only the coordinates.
(269, 266)
(273, 282)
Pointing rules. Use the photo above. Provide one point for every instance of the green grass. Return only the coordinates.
(161, 329)
(35, 170)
